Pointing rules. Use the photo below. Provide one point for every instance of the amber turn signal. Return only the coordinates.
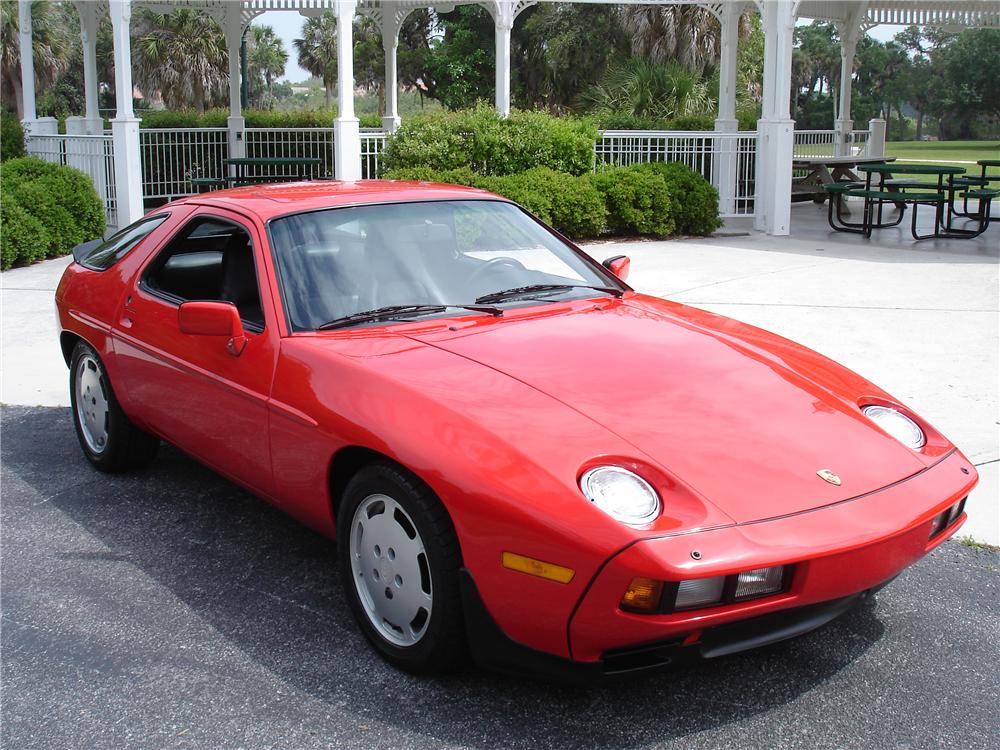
(643, 594)
(534, 567)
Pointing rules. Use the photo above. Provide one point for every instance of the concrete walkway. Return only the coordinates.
(920, 319)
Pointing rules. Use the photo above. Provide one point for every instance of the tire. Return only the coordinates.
(409, 608)
(109, 440)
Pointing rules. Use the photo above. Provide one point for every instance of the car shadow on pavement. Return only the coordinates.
(269, 588)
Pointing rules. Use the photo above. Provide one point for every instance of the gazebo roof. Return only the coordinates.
(954, 13)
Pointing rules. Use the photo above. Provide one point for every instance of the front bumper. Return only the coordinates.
(841, 554)
(838, 551)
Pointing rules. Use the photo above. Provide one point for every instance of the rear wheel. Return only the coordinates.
(109, 440)
(399, 561)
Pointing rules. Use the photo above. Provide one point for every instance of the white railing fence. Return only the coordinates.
(170, 157)
(373, 142)
(727, 160)
(859, 143)
(818, 143)
(93, 155)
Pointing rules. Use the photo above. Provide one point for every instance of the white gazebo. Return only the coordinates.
(773, 143)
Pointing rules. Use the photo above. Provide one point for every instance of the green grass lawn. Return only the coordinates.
(951, 153)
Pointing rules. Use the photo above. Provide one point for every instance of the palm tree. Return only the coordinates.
(266, 57)
(686, 34)
(182, 55)
(317, 50)
(639, 88)
(52, 47)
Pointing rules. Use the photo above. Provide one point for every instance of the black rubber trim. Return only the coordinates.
(492, 649)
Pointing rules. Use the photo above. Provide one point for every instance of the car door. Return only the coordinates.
(195, 392)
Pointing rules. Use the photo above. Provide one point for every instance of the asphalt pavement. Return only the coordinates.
(171, 609)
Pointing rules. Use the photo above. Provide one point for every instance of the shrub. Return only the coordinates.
(569, 203)
(22, 236)
(637, 201)
(11, 136)
(47, 209)
(460, 176)
(216, 118)
(491, 145)
(695, 202)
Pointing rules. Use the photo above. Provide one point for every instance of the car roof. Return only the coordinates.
(278, 199)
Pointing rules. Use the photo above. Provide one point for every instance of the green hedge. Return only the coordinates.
(695, 203)
(491, 145)
(11, 136)
(638, 201)
(567, 202)
(216, 118)
(45, 209)
(658, 200)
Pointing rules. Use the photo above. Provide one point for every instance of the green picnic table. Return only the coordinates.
(941, 195)
(243, 165)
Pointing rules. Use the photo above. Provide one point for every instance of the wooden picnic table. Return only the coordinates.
(826, 170)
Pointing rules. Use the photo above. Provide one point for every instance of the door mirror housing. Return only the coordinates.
(213, 319)
(618, 265)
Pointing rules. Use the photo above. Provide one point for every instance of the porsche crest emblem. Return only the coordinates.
(828, 476)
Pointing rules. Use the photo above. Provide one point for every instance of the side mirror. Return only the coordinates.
(213, 319)
(618, 265)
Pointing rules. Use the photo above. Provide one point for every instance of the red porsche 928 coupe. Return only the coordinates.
(513, 449)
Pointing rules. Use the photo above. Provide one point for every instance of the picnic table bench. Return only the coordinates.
(907, 191)
(243, 165)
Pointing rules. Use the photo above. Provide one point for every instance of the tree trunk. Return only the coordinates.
(199, 94)
(18, 96)
(920, 125)
(328, 88)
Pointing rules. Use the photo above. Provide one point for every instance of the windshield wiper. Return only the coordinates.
(393, 312)
(520, 291)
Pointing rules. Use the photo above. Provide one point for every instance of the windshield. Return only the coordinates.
(344, 261)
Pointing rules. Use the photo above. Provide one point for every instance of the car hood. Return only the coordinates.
(743, 417)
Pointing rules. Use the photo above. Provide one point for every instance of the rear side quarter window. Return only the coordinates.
(102, 255)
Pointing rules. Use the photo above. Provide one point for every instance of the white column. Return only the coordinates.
(346, 128)
(27, 65)
(93, 124)
(725, 162)
(503, 22)
(233, 28)
(775, 129)
(390, 43)
(125, 125)
(843, 125)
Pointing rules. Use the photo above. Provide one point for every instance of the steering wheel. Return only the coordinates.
(491, 265)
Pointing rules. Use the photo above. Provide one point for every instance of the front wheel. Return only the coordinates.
(399, 562)
(109, 439)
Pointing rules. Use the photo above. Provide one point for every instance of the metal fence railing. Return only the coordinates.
(815, 143)
(289, 143)
(170, 157)
(726, 159)
(93, 155)
(372, 143)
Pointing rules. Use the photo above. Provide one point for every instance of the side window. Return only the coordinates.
(116, 247)
(210, 259)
